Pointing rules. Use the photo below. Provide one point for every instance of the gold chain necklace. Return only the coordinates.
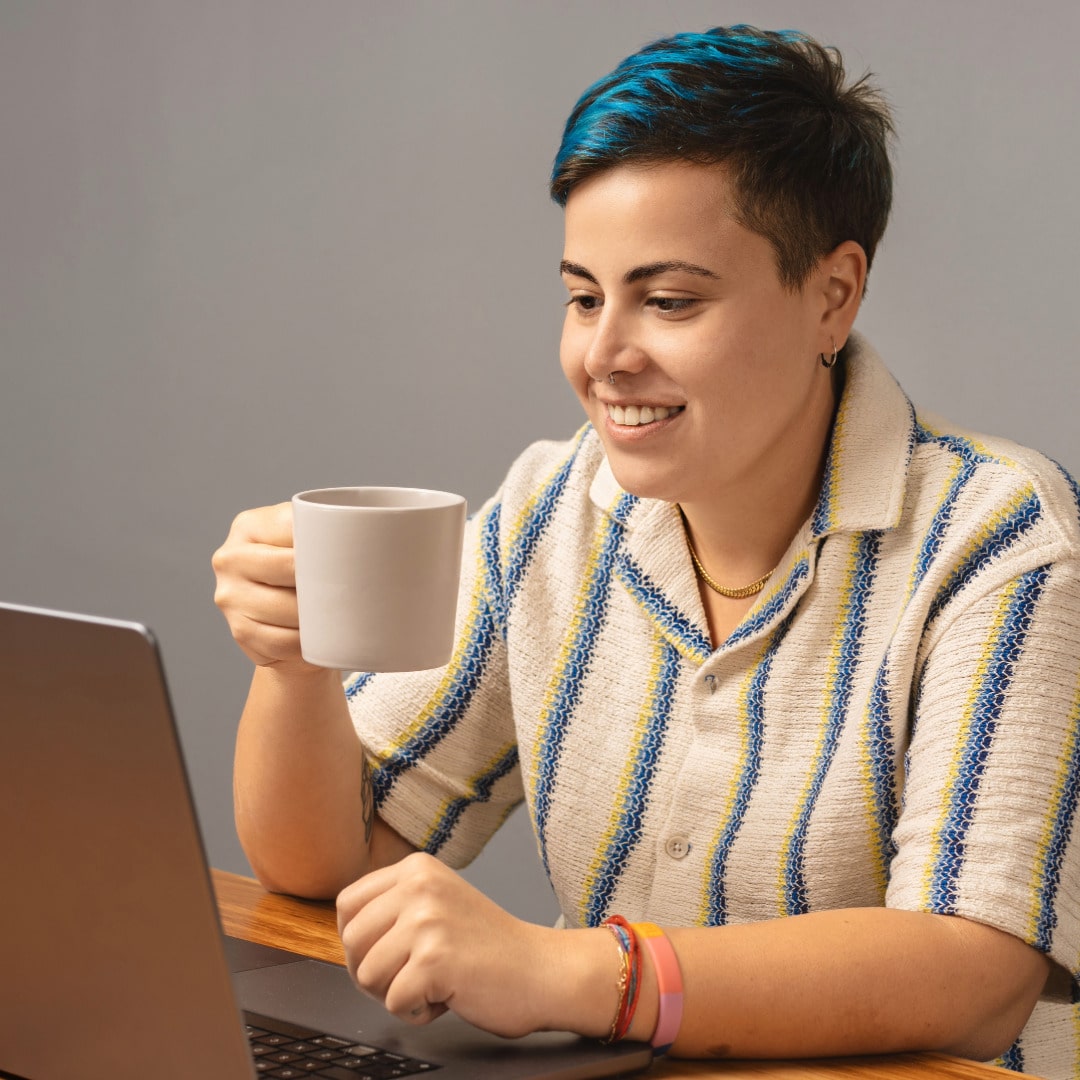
(732, 594)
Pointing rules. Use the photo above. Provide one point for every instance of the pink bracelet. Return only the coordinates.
(669, 982)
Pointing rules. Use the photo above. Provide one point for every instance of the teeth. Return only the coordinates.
(633, 416)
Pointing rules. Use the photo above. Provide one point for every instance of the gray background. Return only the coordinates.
(248, 248)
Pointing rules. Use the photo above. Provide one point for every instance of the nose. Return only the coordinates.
(612, 347)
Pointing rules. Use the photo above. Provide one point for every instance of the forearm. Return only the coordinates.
(857, 981)
(300, 783)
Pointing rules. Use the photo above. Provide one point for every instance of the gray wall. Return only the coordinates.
(252, 247)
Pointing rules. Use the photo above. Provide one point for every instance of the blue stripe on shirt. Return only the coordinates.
(754, 724)
(796, 897)
(568, 681)
(627, 831)
(989, 698)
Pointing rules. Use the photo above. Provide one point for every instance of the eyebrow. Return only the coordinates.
(640, 273)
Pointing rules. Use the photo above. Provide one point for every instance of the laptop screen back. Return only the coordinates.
(109, 936)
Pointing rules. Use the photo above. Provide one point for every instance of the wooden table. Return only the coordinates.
(310, 928)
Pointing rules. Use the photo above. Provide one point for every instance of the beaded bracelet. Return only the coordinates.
(669, 983)
(629, 977)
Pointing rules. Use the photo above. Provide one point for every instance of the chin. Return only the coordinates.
(646, 484)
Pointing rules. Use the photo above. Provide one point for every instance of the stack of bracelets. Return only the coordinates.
(668, 977)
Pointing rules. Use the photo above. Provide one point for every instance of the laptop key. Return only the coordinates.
(283, 1057)
(332, 1042)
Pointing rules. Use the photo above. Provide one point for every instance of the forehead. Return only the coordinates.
(641, 213)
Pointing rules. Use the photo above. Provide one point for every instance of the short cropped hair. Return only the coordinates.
(808, 156)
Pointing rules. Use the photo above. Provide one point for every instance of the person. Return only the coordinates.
(778, 664)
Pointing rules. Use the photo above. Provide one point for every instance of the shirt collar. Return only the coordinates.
(870, 449)
(866, 469)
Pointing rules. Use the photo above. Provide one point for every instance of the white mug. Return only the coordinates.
(377, 572)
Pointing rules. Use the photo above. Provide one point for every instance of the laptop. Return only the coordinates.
(114, 963)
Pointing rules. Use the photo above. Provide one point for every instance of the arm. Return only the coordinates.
(857, 981)
(867, 980)
(302, 792)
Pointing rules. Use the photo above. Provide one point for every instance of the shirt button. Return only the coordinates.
(678, 846)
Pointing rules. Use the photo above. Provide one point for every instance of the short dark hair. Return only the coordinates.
(808, 156)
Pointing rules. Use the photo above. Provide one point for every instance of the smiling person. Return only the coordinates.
(786, 672)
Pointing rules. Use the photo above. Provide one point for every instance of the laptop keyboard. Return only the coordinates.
(288, 1051)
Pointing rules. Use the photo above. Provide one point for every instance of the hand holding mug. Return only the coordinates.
(256, 585)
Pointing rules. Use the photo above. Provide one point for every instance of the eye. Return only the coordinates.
(670, 305)
(584, 302)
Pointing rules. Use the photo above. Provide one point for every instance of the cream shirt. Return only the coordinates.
(893, 723)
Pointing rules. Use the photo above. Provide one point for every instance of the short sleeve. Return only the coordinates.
(442, 743)
(987, 828)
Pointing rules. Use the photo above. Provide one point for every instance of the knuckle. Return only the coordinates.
(242, 521)
(365, 980)
(421, 865)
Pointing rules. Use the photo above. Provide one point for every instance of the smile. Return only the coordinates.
(635, 416)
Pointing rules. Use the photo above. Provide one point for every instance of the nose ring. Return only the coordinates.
(611, 377)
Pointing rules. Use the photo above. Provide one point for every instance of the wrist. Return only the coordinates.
(297, 684)
(584, 982)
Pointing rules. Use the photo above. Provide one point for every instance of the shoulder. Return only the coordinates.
(552, 470)
(1004, 480)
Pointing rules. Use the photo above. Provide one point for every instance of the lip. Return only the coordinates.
(605, 403)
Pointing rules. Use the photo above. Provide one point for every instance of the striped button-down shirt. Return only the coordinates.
(894, 722)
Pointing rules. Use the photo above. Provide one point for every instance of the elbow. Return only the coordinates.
(991, 1031)
(301, 875)
(302, 888)
(985, 1040)
(982, 1043)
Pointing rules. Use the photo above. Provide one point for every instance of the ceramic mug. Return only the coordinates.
(377, 571)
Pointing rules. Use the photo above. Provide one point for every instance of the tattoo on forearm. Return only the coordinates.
(367, 800)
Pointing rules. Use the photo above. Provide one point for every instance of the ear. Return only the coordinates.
(841, 279)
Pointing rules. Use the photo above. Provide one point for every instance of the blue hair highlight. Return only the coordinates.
(645, 82)
(808, 157)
